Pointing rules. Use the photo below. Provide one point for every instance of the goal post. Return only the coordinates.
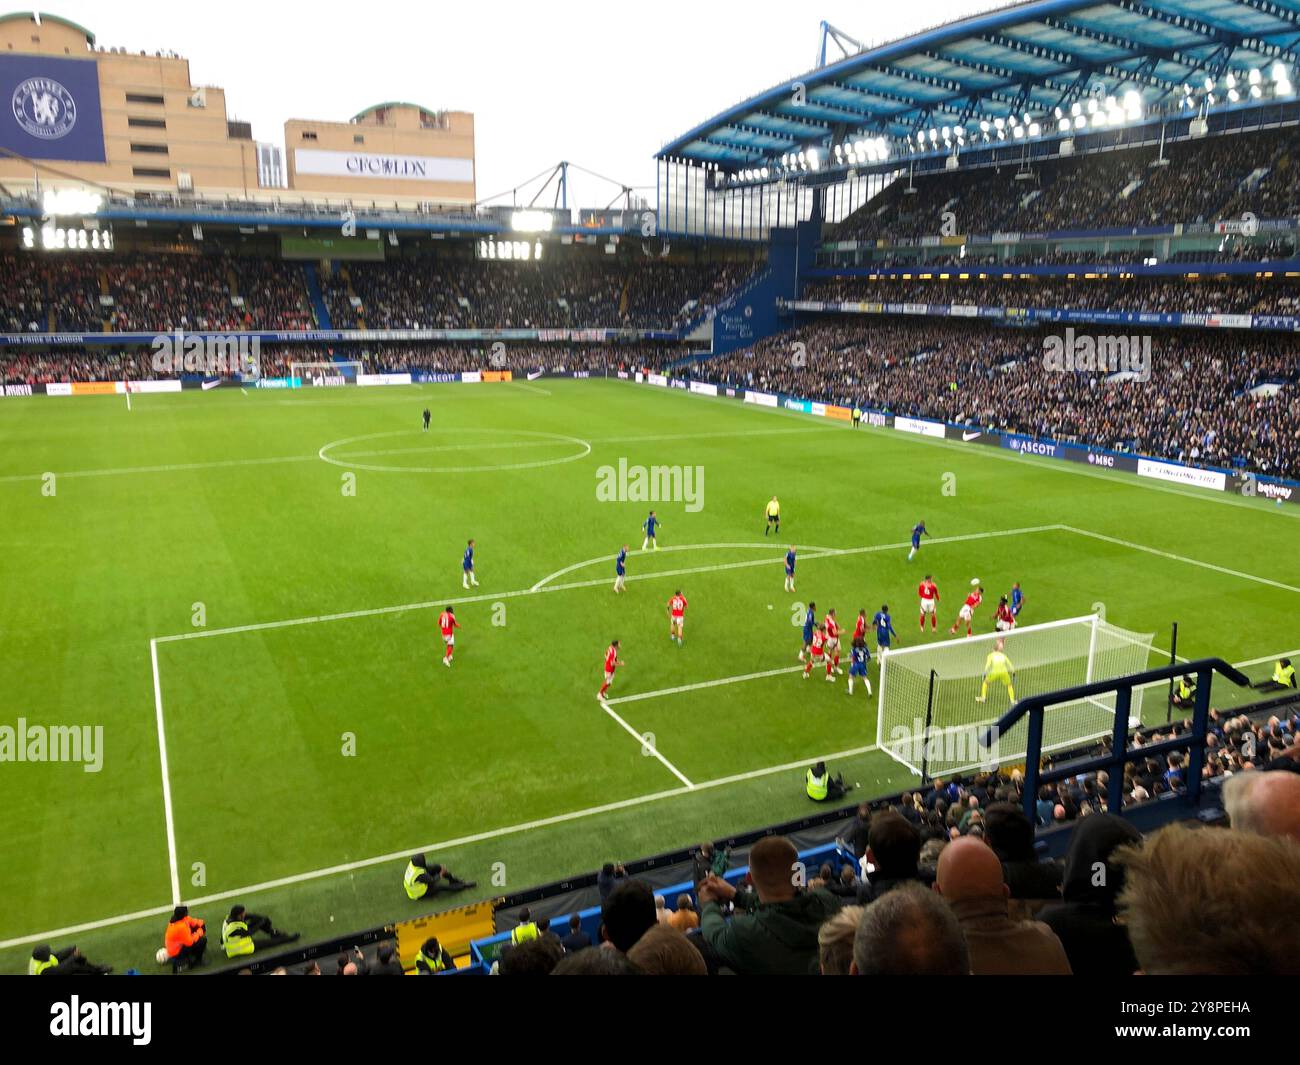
(331, 374)
(937, 722)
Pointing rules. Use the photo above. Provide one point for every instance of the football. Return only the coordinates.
(161, 956)
(974, 582)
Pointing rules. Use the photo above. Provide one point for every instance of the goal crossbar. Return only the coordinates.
(933, 700)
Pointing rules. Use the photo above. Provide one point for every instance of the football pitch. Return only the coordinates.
(241, 589)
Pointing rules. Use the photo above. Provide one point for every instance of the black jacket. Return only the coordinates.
(1084, 919)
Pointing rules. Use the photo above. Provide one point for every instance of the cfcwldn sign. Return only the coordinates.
(383, 166)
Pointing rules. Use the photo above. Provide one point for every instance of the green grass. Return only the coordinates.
(257, 720)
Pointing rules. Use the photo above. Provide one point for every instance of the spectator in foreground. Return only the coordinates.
(893, 849)
(1203, 901)
(627, 915)
(779, 935)
(835, 941)
(909, 932)
(1084, 919)
(684, 918)
(577, 939)
(537, 957)
(664, 951)
(386, 963)
(1265, 803)
(1009, 833)
(596, 963)
(610, 876)
(970, 879)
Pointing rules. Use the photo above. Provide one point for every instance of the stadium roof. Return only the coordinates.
(1027, 58)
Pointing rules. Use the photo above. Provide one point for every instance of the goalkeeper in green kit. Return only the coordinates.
(997, 667)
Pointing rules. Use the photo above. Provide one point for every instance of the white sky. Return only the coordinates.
(601, 84)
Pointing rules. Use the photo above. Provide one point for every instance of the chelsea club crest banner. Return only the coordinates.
(49, 108)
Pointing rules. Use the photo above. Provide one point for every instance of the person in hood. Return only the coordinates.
(1084, 919)
(778, 935)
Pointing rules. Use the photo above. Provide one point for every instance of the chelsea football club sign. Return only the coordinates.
(52, 108)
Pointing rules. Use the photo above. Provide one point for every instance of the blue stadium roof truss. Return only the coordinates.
(1030, 57)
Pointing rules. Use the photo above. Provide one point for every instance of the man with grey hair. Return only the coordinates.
(1267, 804)
(909, 932)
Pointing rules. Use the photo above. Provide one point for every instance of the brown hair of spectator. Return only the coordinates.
(772, 862)
(1208, 901)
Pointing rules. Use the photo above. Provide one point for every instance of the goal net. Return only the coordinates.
(325, 374)
(1045, 658)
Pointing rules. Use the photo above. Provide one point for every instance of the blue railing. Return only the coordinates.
(1119, 754)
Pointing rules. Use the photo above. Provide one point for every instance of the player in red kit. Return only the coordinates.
(929, 603)
(612, 662)
(832, 627)
(448, 624)
(860, 627)
(676, 616)
(1006, 621)
(818, 654)
(968, 609)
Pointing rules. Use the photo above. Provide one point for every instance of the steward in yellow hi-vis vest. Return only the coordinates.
(525, 930)
(432, 959)
(238, 929)
(423, 880)
(822, 787)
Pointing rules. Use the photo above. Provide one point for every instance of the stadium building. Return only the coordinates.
(1030, 273)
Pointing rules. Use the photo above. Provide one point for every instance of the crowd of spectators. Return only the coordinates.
(1213, 397)
(150, 293)
(948, 880)
(1162, 295)
(34, 367)
(436, 293)
(1219, 177)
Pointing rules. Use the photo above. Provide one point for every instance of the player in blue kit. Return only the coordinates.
(651, 526)
(467, 567)
(884, 628)
(918, 530)
(859, 656)
(1017, 599)
(789, 569)
(620, 570)
(809, 623)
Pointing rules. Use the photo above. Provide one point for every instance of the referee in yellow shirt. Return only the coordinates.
(773, 516)
(997, 667)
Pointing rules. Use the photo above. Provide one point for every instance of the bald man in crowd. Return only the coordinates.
(1267, 804)
(970, 879)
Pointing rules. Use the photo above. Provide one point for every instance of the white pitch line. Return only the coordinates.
(166, 778)
(647, 744)
(184, 467)
(573, 585)
(1181, 558)
(720, 682)
(679, 547)
(443, 846)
